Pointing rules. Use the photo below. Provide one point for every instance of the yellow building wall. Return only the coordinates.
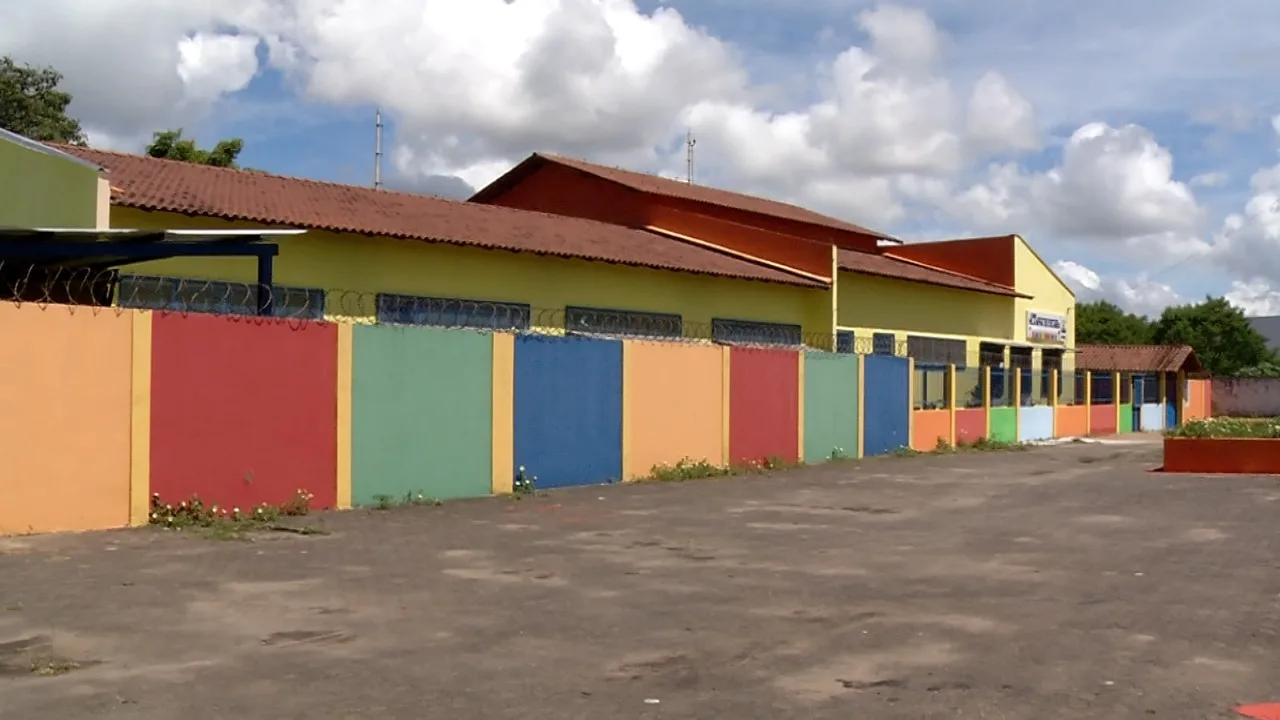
(353, 268)
(1048, 294)
(868, 304)
(40, 188)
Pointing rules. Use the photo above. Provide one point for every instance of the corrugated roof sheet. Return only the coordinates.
(148, 183)
(886, 265)
(656, 185)
(1137, 358)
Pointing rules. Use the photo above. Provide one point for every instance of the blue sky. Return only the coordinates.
(853, 107)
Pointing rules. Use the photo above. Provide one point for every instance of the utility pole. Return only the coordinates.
(689, 142)
(377, 149)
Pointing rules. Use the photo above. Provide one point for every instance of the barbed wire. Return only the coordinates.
(111, 289)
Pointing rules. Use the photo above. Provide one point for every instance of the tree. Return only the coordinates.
(170, 144)
(1223, 338)
(1103, 323)
(32, 105)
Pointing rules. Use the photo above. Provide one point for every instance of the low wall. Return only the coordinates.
(1245, 397)
(1242, 456)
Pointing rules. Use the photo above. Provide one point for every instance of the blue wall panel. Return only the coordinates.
(568, 409)
(1035, 423)
(887, 407)
(1152, 417)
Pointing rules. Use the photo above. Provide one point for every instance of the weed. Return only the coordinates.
(687, 469)
(52, 667)
(905, 451)
(524, 484)
(221, 524)
(839, 454)
(386, 502)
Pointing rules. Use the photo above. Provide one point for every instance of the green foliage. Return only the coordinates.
(387, 502)
(1225, 342)
(982, 444)
(32, 105)
(1103, 323)
(1222, 337)
(1268, 369)
(170, 145)
(1228, 428)
(229, 524)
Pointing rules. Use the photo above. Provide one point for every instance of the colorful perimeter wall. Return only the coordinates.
(106, 407)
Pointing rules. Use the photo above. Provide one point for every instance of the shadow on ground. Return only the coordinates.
(1063, 582)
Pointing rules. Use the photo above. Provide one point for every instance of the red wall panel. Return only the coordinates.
(243, 410)
(1102, 420)
(764, 405)
(971, 425)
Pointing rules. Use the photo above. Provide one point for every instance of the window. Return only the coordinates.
(934, 352)
(1103, 390)
(991, 355)
(451, 312)
(755, 333)
(1050, 360)
(214, 296)
(845, 342)
(599, 321)
(883, 344)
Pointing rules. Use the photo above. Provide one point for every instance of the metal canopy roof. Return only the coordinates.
(109, 248)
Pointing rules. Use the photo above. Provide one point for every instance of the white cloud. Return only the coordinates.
(1140, 295)
(211, 65)
(1209, 179)
(1255, 298)
(1000, 119)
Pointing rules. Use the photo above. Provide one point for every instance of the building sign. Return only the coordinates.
(1046, 328)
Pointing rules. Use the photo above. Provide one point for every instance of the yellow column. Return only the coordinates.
(346, 359)
(1017, 402)
(626, 412)
(1115, 397)
(1088, 402)
(503, 435)
(862, 403)
(911, 402)
(951, 401)
(1053, 398)
(724, 404)
(140, 421)
(800, 416)
(986, 398)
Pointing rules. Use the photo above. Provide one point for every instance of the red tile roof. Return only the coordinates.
(886, 265)
(1137, 358)
(656, 185)
(148, 183)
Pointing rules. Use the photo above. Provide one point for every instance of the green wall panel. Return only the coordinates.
(422, 413)
(1004, 424)
(1126, 417)
(43, 188)
(830, 405)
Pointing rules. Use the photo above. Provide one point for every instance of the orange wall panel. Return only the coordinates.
(65, 384)
(673, 407)
(790, 250)
(991, 259)
(927, 426)
(1198, 405)
(1071, 421)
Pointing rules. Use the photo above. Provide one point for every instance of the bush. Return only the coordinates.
(1228, 428)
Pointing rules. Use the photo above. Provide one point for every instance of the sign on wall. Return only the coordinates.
(1045, 327)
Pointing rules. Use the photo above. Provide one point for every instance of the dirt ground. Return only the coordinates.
(1063, 582)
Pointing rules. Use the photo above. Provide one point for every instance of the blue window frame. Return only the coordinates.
(149, 292)
(883, 344)
(755, 333)
(451, 312)
(604, 321)
(845, 342)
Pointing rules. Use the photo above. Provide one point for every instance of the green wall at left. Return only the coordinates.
(43, 188)
(830, 405)
(421, 413)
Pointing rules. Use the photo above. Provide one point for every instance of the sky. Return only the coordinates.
(1135, 144)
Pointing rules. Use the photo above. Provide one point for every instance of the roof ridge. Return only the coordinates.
(246, 171)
